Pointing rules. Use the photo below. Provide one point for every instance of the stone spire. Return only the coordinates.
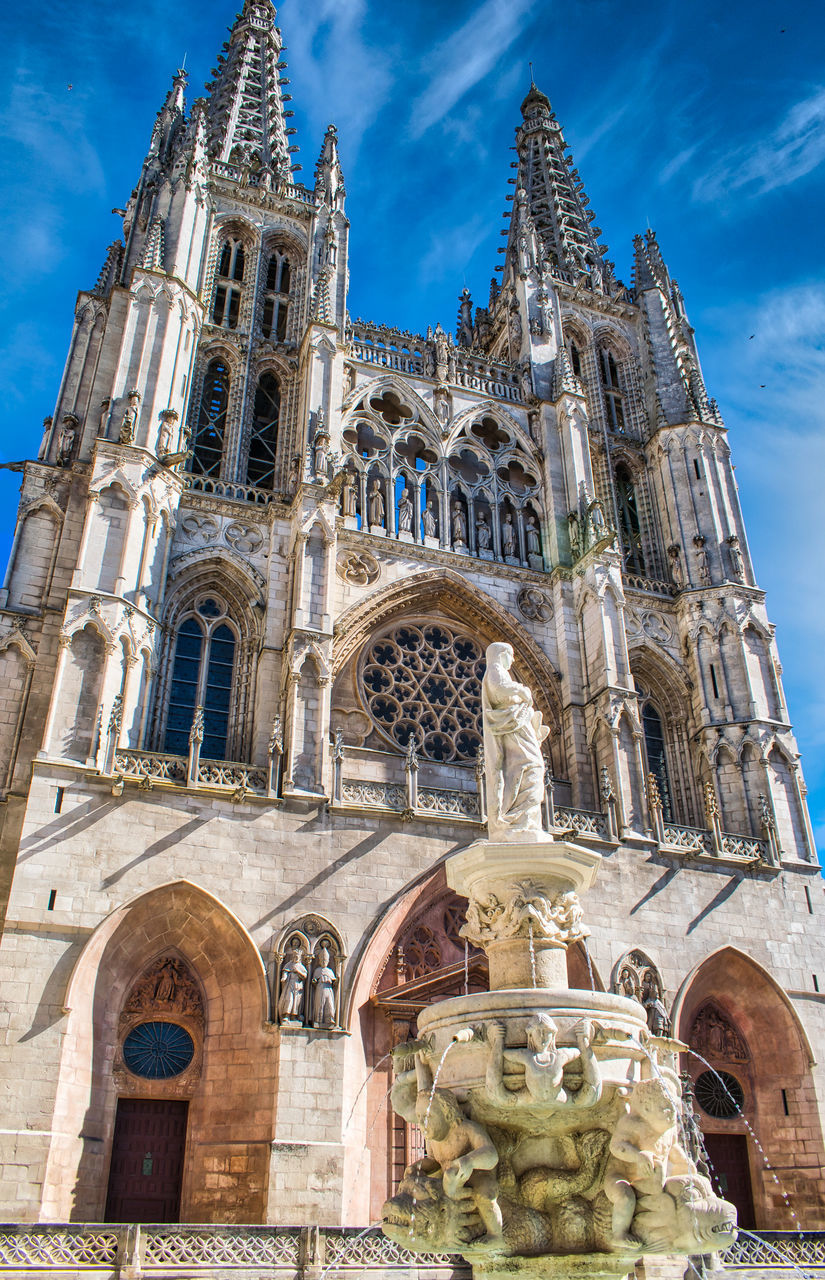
(170, 123)
(551, 200)
(246, 120)
(329, 180)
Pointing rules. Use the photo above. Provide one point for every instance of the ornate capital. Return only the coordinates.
(525, 910)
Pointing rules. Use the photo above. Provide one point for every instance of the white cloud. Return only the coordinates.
(792, 149)
(466, 57)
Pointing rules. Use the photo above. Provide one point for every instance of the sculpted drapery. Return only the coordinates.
(513, 734)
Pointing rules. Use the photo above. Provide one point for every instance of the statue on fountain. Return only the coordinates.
(550, 1116)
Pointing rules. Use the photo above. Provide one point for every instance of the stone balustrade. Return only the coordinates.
(231, 489)
(409, 353)
(112, 1250)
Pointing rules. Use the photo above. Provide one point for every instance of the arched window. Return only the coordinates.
(575, 358)
(613, 399)
(276, 297)
(656, 757)
(263, 444)
(229, 278)
(629, 523)
(207, 447)
(201, 676)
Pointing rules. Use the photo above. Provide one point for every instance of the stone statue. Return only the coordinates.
(459, 525)
(66, 440)
(428, 521)
(598, 525)
(324, 980)
(483, 537)
(508, 537)
(513, 734)
(544, 1065)
(737, 563)
(293, 982)
(702, 561)
(376, 505)
(405, 512)
(166, 986)
(532, 536)
(129, 423)
(348, 498)
(462, 1150)
(677, 572)
(321, 452)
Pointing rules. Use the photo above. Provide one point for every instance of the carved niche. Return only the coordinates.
(167, 991)
(714, 1035)
(637, 978)
(309, 965)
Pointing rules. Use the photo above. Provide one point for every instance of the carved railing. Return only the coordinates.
(155, 1250)
(229, 489)
(222, 773)
(691, 839)
(698, 841)
(745, 847)
(408, 353)
(451, 804)
(653, 586)
(478, 374)
(151, 767)
(790, 1249)
(584, 822)
(236, 173)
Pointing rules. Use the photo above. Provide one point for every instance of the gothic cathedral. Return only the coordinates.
(256, 565)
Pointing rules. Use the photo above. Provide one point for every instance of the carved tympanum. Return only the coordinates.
(715, 1037)
(167, 986)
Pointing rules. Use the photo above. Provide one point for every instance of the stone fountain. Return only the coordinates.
(552, 1117)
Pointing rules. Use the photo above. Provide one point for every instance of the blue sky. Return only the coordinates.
(706, 122)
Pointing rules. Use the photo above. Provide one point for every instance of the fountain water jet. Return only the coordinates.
(552, 1128)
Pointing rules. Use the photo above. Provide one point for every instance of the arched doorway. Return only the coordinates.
(739, 1020)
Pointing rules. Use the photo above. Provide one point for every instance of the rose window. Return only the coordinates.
(158, 1050)
(425, 681)
(719, 1094)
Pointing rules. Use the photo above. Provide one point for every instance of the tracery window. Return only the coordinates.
(575, 359)
(229, 279)
(657, 757)
(263, 444)
(202, 676)
(424, 680)
(629, 523)
(611, 388)
(207, 447)
(276, 297)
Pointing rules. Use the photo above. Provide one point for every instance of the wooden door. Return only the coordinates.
(730, 1172)
(147, 1161)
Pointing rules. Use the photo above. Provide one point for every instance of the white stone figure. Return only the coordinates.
(513, 734)
(376, 505)
(459, 525)
(348, 497)
(544, 1063)
(321, 453)
(508, 537)
(405, 512)
(429, 522)
(293, 983)
(323, 989)
(737, 563)
(532, 538)
(702, 561)
(483, 538)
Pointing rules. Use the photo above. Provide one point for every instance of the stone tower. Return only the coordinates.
(256, 565)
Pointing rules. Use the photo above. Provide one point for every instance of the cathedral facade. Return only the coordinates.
(257, 562)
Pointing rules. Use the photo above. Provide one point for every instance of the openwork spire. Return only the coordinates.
(551, 192)
(329, 180)
(246, 122)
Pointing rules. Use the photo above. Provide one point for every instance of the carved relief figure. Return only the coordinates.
(508, 536)
(513, 734)
(677, 572)
(532, 536)
(405, 512)
(643, 1149)
(376, 505)
(66, 440)
(348, 498)
(429, 522)
(459, 525)
(293, 982)
(737, 563)
(483, 537)
(321, 452)
(462, 1149)
(702, 562)
(324, 980)
(544, 1065)
(167, 983)
(129, 423)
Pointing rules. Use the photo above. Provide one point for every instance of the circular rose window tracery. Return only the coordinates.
(425, 679)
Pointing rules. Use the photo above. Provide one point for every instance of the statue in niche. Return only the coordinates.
(737, 563)
(66, 440)
(544, 1065)
(532, 536)
(702, 560)
(574, 534)
(484, 539)
(376, 505)
(293, 982)
(428, 520)
(599, 527)
(508, 537)
(459, 525)
(462, 1150)
(324, 980)
(320, 446)
(513, 734)
(677, 572)
(166, 987)
(657, 1017)
(405, 512)
(129, 423)
(348, 498)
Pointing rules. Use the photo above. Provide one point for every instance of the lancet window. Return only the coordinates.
(611, 390)
(228, 284)
(210, 427)
(657, 757)
(276, 297)
(480, 495)
(202, 674)
(263, 444)
(630, 527)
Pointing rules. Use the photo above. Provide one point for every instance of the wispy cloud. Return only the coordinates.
(468, 55)
(791, 150)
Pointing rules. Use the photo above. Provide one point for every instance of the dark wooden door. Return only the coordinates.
(730, 1172)
(147, 1161)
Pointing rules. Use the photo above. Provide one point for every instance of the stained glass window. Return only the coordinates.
(158, 1050)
